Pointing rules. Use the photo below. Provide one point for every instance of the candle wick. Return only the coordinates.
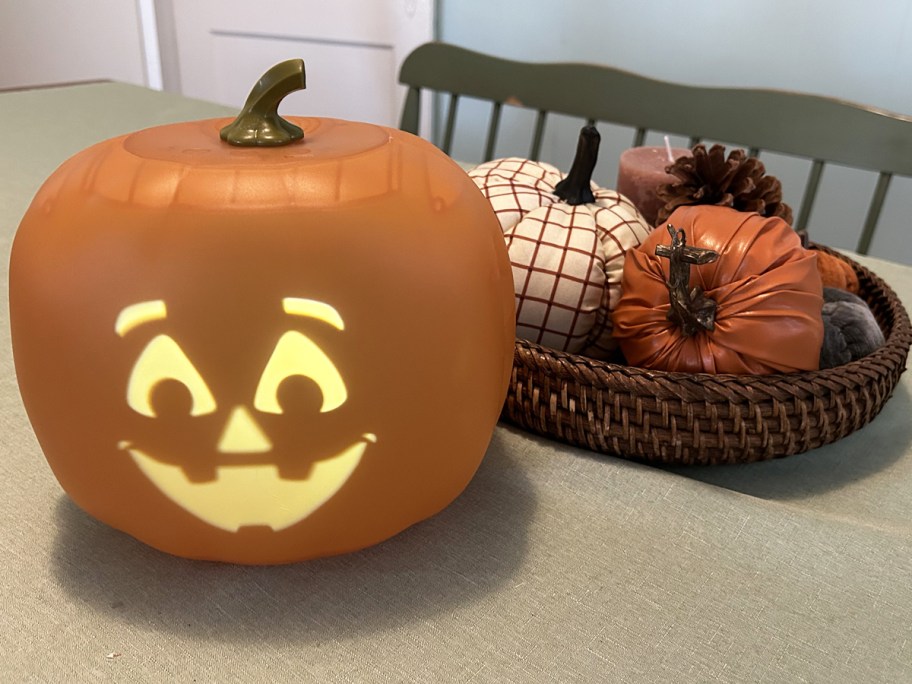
(668, 151)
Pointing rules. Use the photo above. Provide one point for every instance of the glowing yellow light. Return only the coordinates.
(242, 435)
(312, 308)
(163, 359)
(253, 494)
(242, 495)
(296, 354)
(137, 314)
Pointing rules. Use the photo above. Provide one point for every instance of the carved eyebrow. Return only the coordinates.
(137, 314)
(311, 308)
(145, 312)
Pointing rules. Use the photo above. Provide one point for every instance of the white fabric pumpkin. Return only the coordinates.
(567, 258)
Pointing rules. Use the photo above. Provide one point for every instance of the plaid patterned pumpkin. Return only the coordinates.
(567, 258)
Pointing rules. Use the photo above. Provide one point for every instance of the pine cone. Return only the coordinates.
(709, 178)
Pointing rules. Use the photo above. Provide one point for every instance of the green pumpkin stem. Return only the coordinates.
(259, 122)
(576, 188)
(692, 310)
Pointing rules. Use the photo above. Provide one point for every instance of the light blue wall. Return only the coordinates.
(844, 48)
(839, 48)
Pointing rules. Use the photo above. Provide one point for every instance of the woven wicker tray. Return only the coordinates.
(683, 418)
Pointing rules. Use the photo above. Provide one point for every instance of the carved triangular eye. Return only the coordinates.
(163, 359)
(296, 354)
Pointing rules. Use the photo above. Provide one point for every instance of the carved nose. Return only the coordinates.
(242, 434)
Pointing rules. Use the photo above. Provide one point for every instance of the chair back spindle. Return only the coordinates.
(820, 129)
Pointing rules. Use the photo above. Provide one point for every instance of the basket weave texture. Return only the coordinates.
(683, 418)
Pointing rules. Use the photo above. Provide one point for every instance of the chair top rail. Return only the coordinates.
(804, 125)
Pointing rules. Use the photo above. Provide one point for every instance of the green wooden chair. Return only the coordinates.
(821, 129)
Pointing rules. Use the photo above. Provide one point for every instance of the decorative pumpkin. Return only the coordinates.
(731, 292)
(566, 238)
(740, 181)
(834, 272)
(261, 352)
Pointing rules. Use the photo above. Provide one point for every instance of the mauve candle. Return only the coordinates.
(641, 171)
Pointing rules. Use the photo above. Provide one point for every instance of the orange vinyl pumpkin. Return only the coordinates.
(262, 354)
(765, 285)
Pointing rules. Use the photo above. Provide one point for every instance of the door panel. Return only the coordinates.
(47, 41)
(339, 76)
(352, 50)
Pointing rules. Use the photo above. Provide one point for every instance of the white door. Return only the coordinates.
(352, 50)
(48, 41)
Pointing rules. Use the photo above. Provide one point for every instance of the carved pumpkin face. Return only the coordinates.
(236, 480)
(262, 355)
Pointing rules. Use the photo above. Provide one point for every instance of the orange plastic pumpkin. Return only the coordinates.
(262, 354)
(765, 287)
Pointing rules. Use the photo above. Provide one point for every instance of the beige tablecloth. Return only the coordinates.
(555, 565)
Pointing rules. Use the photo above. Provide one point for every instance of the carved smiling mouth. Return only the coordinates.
(243, 495)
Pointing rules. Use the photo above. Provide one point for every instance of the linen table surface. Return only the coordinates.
(555, 565)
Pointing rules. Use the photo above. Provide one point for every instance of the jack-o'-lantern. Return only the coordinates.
(257, 352)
